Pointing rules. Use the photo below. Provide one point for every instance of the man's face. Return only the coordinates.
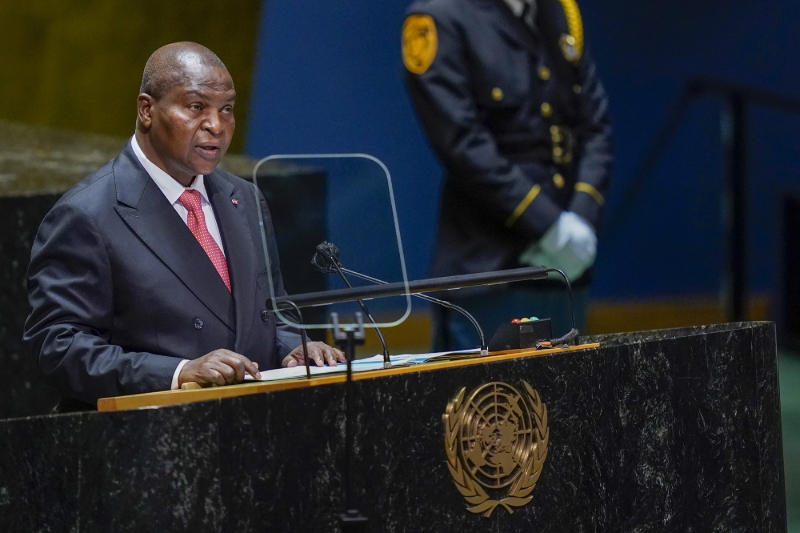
(191, 125)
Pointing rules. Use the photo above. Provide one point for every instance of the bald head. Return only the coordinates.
(174, 64)
(185, 120)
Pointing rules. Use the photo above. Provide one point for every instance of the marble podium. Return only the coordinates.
(674, 430)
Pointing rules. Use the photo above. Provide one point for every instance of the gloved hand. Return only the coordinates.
(570, 245)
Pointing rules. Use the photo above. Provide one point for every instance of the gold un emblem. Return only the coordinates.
(496, 444)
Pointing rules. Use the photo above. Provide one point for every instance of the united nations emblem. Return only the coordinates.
(419, 43)
(496, 442)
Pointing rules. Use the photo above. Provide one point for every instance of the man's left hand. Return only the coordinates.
(318, 352)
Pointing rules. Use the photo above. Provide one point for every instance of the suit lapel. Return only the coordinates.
(146, 211)
(502, 18)
(239, 248)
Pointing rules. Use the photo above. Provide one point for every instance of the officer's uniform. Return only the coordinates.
(518, 118)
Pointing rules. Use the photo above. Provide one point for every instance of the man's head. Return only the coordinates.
(185, 110)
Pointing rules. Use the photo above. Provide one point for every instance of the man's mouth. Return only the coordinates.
(209, 150)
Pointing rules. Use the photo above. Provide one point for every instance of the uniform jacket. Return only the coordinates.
(487, 104)
(121, 290)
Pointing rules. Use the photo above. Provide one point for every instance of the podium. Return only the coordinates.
(673, 430)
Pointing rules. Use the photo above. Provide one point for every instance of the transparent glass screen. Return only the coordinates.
(346, 200)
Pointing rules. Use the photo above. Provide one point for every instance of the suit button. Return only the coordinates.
(265, 316)
(547, 110)
(544, 73)
(558, 180)
(198, 323)
(497, 94)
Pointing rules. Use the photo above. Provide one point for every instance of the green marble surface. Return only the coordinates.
(789, 374)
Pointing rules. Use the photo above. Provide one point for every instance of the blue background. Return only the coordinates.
(329, 78)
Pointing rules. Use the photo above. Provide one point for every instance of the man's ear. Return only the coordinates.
(144, 105)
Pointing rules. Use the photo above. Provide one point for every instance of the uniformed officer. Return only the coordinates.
(518, 118)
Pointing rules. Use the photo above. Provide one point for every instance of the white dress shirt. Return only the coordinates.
(517, 7)
(173, 190)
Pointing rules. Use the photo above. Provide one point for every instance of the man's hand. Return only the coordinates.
(318, 352)
(220, 367)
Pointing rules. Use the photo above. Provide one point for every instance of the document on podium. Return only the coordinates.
(362, 365)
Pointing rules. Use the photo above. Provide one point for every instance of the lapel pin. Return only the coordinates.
(234, 201)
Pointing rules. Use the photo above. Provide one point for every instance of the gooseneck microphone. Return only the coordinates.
(572, 334)
(327, 260)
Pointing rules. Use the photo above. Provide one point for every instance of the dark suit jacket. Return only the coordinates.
(121, 290)
(487, 104)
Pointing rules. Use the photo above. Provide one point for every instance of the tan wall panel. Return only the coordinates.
(77, 64)
(614, 317)
(414, 335)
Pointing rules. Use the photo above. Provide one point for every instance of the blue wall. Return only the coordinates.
(328, 78)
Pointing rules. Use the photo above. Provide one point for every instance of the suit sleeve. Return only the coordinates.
(69, 328)
(597, 148)
(450, 118)
(287, 338)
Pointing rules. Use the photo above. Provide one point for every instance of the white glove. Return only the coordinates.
(569, 245)
(534, 256)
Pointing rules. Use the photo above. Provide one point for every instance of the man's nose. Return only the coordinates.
(212, 122)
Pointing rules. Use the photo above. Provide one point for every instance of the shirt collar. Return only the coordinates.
(517, 6)
(168, 185)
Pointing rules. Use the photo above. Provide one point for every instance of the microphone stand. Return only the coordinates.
(573, 333)
(443, 303)
(303, 336)
(387, 362)
(326, 259)
(352, 520)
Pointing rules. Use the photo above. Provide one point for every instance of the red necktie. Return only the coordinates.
(196, 220)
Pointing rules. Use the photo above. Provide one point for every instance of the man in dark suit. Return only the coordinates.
(514, 110)
(149, 273)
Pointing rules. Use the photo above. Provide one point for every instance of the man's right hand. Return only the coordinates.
(220, 367)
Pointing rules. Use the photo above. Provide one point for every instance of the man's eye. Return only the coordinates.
(195, 107)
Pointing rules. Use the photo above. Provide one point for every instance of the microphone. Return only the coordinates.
(327, 260)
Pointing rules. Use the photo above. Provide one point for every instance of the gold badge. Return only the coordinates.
(496, 442)
(419, 43)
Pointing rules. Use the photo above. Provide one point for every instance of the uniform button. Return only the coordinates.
(198, 323)
(547, 110)
(497, 94)
(558, 180)
(265, 316)
(576, 88)
(544, 73)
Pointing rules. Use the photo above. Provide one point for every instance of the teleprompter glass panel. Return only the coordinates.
(347, 199)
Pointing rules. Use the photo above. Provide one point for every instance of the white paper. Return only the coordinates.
(359, 365)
